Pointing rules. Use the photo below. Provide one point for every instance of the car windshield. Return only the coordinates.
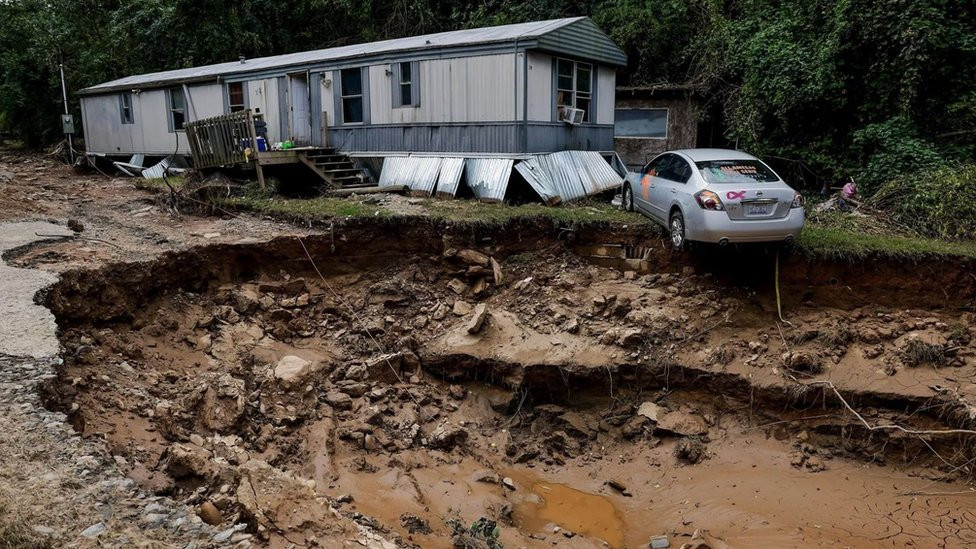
(736, 171)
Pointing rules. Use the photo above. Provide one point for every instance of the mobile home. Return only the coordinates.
(506, 92)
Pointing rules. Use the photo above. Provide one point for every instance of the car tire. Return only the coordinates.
(628, 199)
(676, 231)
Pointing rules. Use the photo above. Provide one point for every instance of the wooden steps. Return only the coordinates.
(335, 169)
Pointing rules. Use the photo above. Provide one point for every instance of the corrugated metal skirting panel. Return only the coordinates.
(447, 183)
(568, 175)
(423, 174)
(488, 177)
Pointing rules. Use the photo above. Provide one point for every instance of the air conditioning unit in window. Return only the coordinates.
(571, 116)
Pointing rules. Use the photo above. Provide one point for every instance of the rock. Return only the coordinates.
(292, 370)
(618, 486)
(385, 367)
(634, 427)
(479, 286)
(507, 482)
(682, 423)
(477, 321)
(660, 542)
(496, 271)
(210, 514)
(338, 400)
(803, 361)
(222, 403)
(246, 300)
(457, 286)
(94, 530)
(462, 308)
(278, 499)
(415, 524)
(203, 342)
(521, 285)
(571, 326)
(440, 312)
(224, 536)
(76, 225)
(690, 450)
(447, 435)
(489, 477)
(630, 337)
(472, 257)
(649, 410)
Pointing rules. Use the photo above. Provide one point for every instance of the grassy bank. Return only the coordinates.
(833, 237)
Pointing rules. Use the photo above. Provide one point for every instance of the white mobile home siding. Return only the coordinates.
(606, 84)
(540, 87)
(470, 89)
(149, 133)
(263, 99)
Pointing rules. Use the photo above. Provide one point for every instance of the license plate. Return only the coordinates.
(757, 209)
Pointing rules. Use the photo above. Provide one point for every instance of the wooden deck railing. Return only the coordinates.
(223, 140)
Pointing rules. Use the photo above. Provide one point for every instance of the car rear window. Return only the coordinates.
(736, 171)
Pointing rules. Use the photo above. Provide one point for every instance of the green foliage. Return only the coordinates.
(850, 87)
(890, 149)
(937, 203)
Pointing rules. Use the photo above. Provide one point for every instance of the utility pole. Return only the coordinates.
(67, 121)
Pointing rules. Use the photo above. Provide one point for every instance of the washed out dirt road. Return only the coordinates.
(421, 385)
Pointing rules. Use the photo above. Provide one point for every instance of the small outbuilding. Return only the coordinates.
(649, 120)
(480, 101)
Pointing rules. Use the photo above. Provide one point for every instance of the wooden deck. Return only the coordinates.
(226, 140)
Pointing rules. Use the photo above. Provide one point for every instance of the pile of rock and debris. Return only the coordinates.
(277, 406)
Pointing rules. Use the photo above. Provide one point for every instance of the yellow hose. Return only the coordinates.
(779, 303)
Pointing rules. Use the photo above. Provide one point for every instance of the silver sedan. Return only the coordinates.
(715, 195)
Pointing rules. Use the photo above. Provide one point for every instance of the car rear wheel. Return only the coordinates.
(676, 227)
(628, 199)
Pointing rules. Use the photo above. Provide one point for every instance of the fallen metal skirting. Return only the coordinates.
(558, 177)
(569, 175)
(422, 174)
(488, 177)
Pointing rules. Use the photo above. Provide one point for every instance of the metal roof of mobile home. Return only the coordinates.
(573, 36)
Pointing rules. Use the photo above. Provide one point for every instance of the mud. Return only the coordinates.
(612, 393)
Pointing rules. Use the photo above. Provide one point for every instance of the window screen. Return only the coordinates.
(641, 123)
(352, 96)
(574, 86)
(235, 96)
(177, 109)
(125, 108)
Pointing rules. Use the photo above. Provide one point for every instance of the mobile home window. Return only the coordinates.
(574, 85)
(352, 96)
(125, 108)
(235, 96)
(651, 123)
(177, 109)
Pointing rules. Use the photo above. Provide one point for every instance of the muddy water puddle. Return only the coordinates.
(583, 513)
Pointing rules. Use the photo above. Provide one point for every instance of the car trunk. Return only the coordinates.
(765, 201)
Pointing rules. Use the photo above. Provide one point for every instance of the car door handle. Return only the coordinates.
(674, 191)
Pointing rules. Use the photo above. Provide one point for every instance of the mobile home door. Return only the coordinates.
(300, 112)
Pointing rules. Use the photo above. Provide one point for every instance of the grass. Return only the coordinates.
(917, 353)
(828, 236)
(578, 212)
(14, 531)
(319, 209)
(840, 243)
(158, 185)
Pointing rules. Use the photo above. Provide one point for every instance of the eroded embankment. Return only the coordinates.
(479, 377)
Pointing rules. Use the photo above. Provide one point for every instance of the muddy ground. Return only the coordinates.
(413, 384)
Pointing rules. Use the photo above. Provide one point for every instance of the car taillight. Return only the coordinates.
(797, 201)
(709, 201)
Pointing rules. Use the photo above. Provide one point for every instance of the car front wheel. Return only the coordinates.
(628, 199)
(676, 227)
